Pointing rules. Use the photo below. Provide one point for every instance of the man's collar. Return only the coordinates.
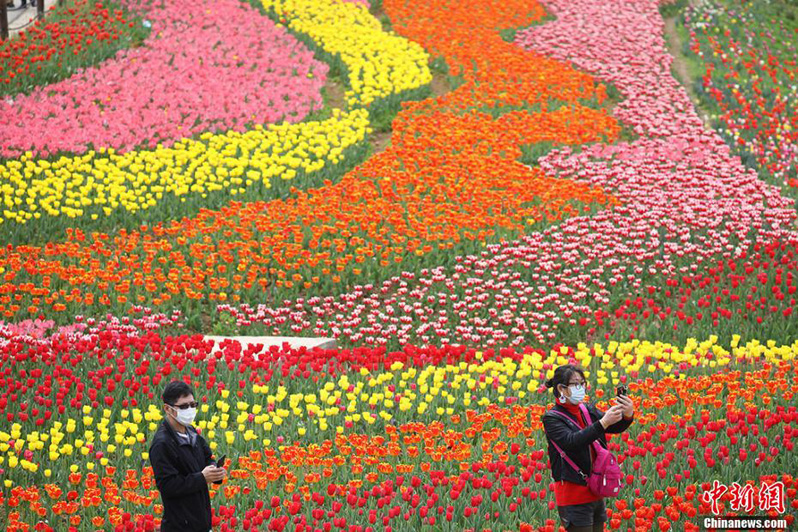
(192, 434)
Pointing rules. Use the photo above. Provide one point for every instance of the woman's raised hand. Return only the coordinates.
(612, 416)
(628, 406)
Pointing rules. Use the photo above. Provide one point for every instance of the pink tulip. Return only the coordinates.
(208, 65)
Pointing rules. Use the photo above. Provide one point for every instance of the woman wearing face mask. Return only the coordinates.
(580, 510)
(182, 464)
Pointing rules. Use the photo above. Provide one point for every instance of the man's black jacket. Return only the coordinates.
(574, 442)
(177, 466)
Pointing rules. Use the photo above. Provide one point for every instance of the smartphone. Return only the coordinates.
(220, 463)
(620, 390)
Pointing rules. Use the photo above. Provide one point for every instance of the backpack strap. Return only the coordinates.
(585, 413)
(589, 421)
(562, 453)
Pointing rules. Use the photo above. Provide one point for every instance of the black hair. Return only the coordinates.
(562, 375)
(175, 390)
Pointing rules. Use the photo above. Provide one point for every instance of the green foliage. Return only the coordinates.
(508, 34)
(439, 65)
(530, 153)
(614, 96)
(224, 325)
(672, 8)
(383, 112)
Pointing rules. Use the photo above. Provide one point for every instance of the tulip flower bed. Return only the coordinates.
(74, 35)
(449, 181)
(752, 297)
(193, 74)
(380, 66)
(498, 305)
(686, 204)
(107, 187)
(365, 438)
(126, 191)
(511, 225)
(747, 53)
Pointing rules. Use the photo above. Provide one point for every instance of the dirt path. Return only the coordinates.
(680, 69)
(440, 84)
(334, 92)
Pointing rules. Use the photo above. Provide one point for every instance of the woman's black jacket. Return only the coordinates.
(177, 466)
(576, 443)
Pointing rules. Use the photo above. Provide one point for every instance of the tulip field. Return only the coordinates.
(756, 43)
(464, 194)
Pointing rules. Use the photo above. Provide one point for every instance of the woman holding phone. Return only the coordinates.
(580, 510)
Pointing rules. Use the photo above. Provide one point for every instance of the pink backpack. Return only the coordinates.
(605, 475)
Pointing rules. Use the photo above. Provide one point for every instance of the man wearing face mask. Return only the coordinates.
(183, 464)
(580, 510)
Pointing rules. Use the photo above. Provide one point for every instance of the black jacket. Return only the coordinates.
(177, 467)
(576, 443)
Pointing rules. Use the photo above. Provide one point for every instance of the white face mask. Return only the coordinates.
(186, 417)
(577, 394)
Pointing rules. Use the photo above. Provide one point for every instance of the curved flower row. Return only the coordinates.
(450, 180)
(103, 183)
(491, 300)
(206, 66)
(266, 242)
(70, 37)
(686, 204)
(377, 64)
(458, 429)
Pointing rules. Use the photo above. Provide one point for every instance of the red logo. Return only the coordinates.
(745, 497)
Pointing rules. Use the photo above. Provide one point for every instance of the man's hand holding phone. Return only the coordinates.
(217, 473)
(213, 474)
